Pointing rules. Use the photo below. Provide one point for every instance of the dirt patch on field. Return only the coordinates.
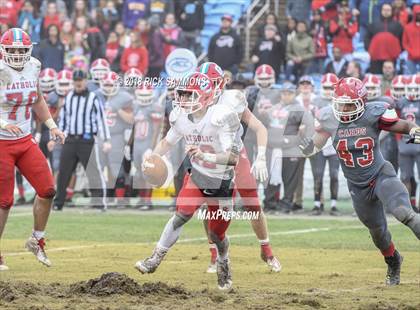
(116, 283)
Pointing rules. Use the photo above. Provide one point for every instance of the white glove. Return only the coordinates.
(259, 168)
(127, 152)
(37, 137)
(146, 154)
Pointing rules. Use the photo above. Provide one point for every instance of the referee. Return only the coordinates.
(81, 119)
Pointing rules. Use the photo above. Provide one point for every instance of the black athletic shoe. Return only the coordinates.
(296, 207)
(334, 211)
(57, 208)
(316, 211)
(394, 269)
(20, 201)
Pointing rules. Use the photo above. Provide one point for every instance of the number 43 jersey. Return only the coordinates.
(357, 143)
(17, 96)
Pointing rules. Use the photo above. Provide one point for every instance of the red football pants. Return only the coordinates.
(24, 154)
(245, 183)
(190, 198)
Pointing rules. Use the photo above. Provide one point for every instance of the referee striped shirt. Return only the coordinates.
(83, 114)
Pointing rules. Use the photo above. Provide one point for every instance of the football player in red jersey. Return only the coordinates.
(19, 96)
(244, 180)
(354, 128)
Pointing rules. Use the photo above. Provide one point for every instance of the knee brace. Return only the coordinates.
(180, 219)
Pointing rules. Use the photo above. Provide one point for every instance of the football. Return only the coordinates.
(155, 170)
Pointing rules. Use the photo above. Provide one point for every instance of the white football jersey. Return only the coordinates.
(17, 94)
(214, 133)
(236, 100)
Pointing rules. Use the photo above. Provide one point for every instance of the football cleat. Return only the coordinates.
(316, 211)
(212, 268)
(3, 266)
(394, 268)
(334, 211)
(150, 264)
(224, 275)
(274, 264)
(37, 248)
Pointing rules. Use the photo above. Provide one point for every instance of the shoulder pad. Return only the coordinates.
(235, 99)
(224, 115)
(174, 115)
(376, 108)
(35, 63)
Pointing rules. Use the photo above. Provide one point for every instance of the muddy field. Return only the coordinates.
(118, 291)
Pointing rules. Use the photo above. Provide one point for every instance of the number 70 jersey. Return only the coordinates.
(357, 143)
(17, 96)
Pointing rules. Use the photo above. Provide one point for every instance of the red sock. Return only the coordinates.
(266, 249)
(413, 201)
(21, 190)
(69, 193)
(213, 252)
(389, 252)
(119, 192)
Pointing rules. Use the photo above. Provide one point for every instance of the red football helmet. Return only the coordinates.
(265, 76)
(398, 87)
(132, 77)
(373, 86)
(412, 90)
(194, 92)
(215, 74)
(98, 69)
(64, 82)
(16, 48)
(47, 79)
(110, 84)
(350, 96)
(328, 82)
(144, 94)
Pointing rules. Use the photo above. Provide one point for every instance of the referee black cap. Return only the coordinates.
(79, 74)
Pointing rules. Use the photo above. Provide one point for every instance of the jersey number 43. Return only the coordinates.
(366, 144)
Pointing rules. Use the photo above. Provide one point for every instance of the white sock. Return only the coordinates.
(265, 241)
(169, 235)
(333, 203)
(38, 234)
(223, 249)
(318, 204)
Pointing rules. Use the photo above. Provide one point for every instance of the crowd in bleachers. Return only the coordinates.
(337, 36)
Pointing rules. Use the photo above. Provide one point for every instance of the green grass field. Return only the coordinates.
(327, 263)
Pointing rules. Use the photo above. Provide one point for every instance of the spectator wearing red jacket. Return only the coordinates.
(411, 42)
(172, 34)
(342, 29)
(401, 12)
(135, 56)
(383, 40)
(52, 17)
(8, 13)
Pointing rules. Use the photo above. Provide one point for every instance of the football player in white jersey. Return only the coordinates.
(19, 96)
(209, 132)
(244, 180)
